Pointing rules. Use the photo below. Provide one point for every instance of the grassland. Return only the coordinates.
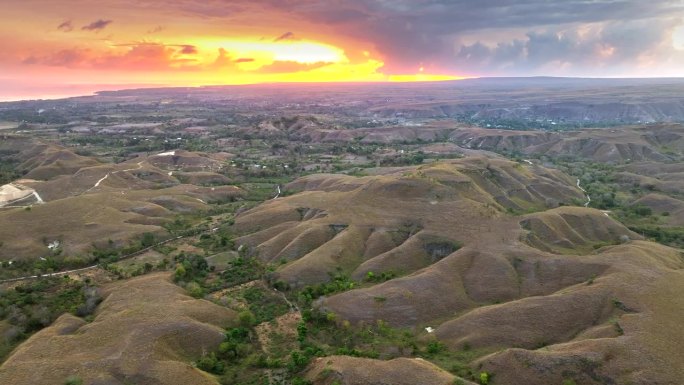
(399, 240)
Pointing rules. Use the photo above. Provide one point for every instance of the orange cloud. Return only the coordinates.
(73, 58)
(180, 46)
(223, 60)
(134, 57)
(280, 67)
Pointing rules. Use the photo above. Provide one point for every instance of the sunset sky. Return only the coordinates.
(65, 47)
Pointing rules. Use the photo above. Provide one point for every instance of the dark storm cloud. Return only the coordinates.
(66, 26)
(97, 25)
(610, 47)
(285, 36)
(409, 32)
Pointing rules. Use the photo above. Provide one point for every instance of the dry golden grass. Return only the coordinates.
(552, 291)
(640, 346)
(46, 161)
(572, 230)
(621, 144)
(81, 221)
(358, 224)
(96, 203)
(661, 204)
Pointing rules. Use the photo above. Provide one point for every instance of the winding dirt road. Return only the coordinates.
(97, 184)
(585, 193)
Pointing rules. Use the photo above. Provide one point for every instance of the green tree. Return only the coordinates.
(148, 239)
(246, 318)
(73, 380)
(180, 272)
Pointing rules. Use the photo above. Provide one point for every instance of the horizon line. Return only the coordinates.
(132, 87)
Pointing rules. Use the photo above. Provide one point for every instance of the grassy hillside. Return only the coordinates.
(147, 330)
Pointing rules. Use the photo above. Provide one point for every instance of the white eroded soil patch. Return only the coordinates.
(16, 195)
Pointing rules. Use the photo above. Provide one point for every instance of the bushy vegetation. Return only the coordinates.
(264, 304)
(338, 283)
(241, 270)
(111, 252)
(34, 305)
(8, 171)
(607, 193)
(241, 360)
(530, 124)
(380, 277)
(407, 159)
(191, 272)
(672, 236)
(73, 380)
(215, 243)
(324, 334)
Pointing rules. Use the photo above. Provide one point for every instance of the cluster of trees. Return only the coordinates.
(35, 304)
(191, 272)
(671, 236)
(407, 159)
(8, 170)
